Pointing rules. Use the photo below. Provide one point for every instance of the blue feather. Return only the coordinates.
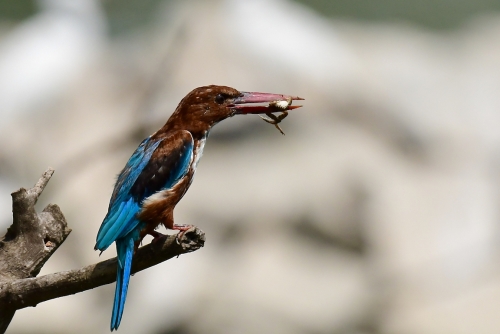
(140, 178)
(122, 207)
(133, 169)
(103, 238)
(125, 251)
(111, 216)
(183, 166)
(165, 171)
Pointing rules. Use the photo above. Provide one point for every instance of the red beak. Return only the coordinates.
(241, 107)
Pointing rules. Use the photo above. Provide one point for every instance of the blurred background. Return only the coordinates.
(376, 213)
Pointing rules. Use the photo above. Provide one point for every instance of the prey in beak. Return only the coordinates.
(276, 103)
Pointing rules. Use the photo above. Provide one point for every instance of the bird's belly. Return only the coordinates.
(167, 197)
(157, 208)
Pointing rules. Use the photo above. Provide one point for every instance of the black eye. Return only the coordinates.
(220, 98)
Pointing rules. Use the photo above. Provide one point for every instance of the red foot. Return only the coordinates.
(182, 228)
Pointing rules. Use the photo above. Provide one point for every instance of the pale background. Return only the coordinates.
(378, 212)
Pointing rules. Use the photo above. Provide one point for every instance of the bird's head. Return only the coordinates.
(205, 106)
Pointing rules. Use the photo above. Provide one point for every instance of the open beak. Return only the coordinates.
(241, 104)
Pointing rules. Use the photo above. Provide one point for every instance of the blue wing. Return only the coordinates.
(156, 164)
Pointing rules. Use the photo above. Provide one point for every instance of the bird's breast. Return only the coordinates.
(198, 151)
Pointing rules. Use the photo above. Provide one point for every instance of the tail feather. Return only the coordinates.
(125, 250)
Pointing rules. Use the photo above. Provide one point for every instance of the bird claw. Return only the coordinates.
(182, 228)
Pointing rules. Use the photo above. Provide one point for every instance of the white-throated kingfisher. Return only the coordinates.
(161, 170)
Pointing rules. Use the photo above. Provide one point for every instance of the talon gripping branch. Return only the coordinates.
(161, 169)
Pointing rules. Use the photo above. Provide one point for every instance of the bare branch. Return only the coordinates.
(29, 292)
(32, 238)
(29, 242)
(36, 191)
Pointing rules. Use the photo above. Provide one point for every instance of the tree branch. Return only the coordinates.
(29, 292)
(33, 238)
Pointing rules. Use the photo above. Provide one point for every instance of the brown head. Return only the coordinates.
(206, 106)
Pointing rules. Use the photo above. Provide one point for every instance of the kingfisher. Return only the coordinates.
(161, 169)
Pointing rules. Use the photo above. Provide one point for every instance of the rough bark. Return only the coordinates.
(33, 237)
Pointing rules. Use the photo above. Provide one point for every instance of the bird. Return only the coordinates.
(161, 170)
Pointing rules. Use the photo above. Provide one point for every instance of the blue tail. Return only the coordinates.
(125, 250)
